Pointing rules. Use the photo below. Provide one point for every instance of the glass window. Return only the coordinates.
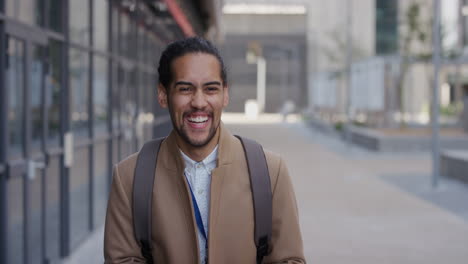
(132, 95)
(115, 97)
(115, 151)
(100, 182)
(15, 218)
(154, 50)
(128, 109)
(131, 41)
(79, 92)
(52, 211)
(27, 11)
(142, 93)
(115, 29)
(125, 106)
(79, 21)
(386, 26)
(79, 197)
(55, 15)
(149, 93)
(100, 23)
(100, 95)
(124, 37)
(35, 86)
(145, 52)
(141, 43)
(15, 83)
(35, 217)
(52, 92)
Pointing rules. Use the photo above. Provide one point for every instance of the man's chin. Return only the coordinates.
(197, 141)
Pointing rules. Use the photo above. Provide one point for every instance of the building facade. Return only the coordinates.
(77, 94)
(387, 33)
(277, 30)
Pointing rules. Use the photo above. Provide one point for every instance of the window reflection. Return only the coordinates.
(79, 21)
(27, 11)
(100, 23)
(52, 210)
(141, 92)
(125, 35)
(35, 219)
(154, 50)
(100, 182)
(115, 97)
(36, 77)
(127, 102)
(79, 208)
(52, 92)
(55, 15)
(15, 219)
(79, 91)
(115, 29)
(100, 95)
(141, 43)
(15, 84)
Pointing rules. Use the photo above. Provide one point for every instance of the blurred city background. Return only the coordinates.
(367, 100)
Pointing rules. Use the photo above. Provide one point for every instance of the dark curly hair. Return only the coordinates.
(182, 47)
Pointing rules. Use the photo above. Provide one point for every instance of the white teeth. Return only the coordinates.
(198, 119)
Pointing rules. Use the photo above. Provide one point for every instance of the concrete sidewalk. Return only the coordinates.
(350, 212)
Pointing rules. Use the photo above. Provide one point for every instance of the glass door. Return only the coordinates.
(32, 199)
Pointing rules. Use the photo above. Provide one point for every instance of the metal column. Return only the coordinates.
(3, 144)
(435, 97)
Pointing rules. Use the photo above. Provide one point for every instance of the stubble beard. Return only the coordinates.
(198, 144)
(182, 132)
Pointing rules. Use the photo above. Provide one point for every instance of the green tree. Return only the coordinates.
(414, 30)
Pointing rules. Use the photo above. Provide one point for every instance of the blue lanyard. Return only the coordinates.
(197, 214)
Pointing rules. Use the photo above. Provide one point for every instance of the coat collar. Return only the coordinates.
(171, 157)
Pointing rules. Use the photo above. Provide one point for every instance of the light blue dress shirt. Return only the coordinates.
(198, 175)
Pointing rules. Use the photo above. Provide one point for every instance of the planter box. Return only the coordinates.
(323, 127)
(454, 164)
(378, 141)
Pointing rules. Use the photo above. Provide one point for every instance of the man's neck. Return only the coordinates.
(198, 153)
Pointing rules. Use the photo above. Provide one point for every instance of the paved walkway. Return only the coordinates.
(354, 205)
(350, 214)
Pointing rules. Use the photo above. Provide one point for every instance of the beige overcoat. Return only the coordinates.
(231, 219)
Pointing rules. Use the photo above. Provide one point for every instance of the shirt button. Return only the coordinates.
(200, 192)
(198, 166)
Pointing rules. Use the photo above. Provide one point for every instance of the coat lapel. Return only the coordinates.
(225, 159)
(175, 166)
(173, 160)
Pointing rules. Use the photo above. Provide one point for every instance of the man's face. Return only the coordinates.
(195, 97)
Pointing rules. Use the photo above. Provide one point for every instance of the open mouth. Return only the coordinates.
(198, 120)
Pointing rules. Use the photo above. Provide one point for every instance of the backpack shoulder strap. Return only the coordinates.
(142, 195)
(261, 193)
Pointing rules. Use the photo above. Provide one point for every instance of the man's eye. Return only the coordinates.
(184, 89)
(212, 89)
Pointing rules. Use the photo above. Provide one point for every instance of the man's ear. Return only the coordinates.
(162, 96)
(226, 96)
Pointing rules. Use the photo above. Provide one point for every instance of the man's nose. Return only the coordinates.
(199, 100)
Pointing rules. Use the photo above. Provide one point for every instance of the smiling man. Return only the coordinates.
(202, 202)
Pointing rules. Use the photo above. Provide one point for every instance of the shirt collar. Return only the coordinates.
(209, 161)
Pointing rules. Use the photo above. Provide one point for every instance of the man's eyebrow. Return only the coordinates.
(212, 83)
(183, 83)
